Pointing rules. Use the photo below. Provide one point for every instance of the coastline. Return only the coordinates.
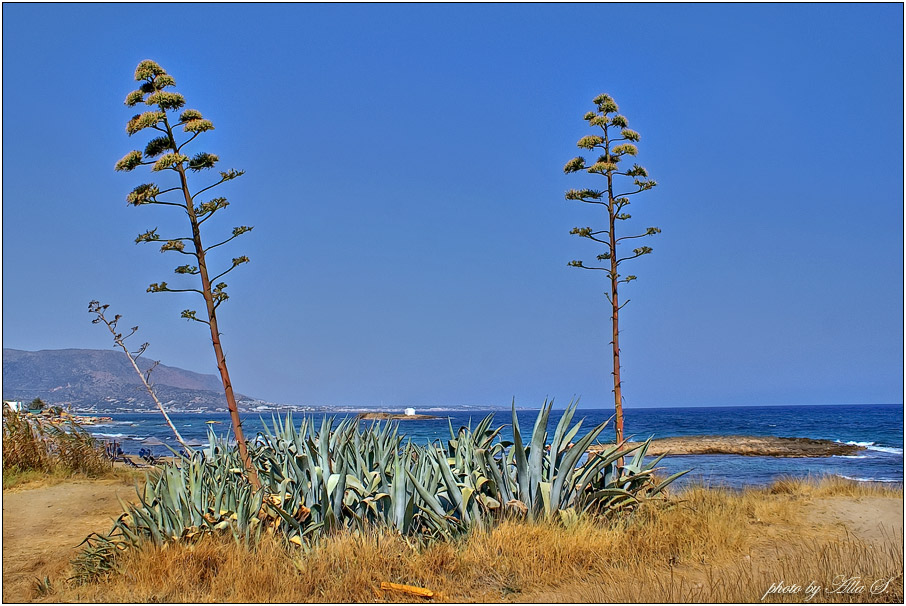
(876, 428)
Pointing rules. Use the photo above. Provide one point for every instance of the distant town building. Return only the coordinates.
(410, 412)
(14, 406)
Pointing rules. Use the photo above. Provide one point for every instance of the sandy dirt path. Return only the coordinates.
(43, 526)
(871, 519)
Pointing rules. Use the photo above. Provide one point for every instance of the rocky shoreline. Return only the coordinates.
(389, 416)
(749, 446)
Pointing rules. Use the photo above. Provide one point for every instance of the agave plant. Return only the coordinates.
(320, 478)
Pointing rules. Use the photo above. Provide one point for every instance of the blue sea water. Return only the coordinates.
(877, 427)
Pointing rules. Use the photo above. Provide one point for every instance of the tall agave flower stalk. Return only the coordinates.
(614, 141)
(333, 475)
(166, 155)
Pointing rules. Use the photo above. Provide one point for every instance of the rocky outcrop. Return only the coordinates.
(750, 446)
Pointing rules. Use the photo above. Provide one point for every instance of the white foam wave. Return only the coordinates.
(109, 435)
(889, 449)
(850, 456)
(873, 446)
(888, 480)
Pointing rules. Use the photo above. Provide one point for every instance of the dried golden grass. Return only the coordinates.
(833, 486)
(35, 451)
(704, 545)
(832, 571)
(15, 480)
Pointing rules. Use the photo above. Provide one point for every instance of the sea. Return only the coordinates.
(879, 428)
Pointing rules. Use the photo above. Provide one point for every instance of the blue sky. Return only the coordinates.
(404, 177)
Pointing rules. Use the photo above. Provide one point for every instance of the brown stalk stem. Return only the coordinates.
(615, 316)
(252, 474)
(615, 322)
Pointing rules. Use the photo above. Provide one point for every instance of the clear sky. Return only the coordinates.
(404, 178)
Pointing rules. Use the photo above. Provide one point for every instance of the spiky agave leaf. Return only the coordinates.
(321, 477)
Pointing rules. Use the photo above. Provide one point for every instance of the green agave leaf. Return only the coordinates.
(667, 482)
(536, 450)
(455, 493)
(503, 489)
(559, 433)
(489, 502)
(545, 490)
(339, 490)
(611, 492)
(639, 458)
(332, 482)
(570, 435)
(354, 483)
(467, 494)
(566, 472)
(408, 514)
(290, 521)
(522, 470)
(430, 499)
(654, 463)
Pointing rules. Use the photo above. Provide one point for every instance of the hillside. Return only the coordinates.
(104, 380)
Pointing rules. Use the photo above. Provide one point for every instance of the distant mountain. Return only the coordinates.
(104, 380)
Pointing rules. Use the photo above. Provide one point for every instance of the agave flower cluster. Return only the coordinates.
(321, 478)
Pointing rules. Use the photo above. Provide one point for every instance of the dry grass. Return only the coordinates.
(833, 486)
(831, 571)
(708, 545)
(15, 480)
(36, 451)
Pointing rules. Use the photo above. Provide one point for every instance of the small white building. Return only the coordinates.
(410, 412)
(14, 406)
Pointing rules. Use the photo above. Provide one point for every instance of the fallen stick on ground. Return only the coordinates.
(425, 593)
